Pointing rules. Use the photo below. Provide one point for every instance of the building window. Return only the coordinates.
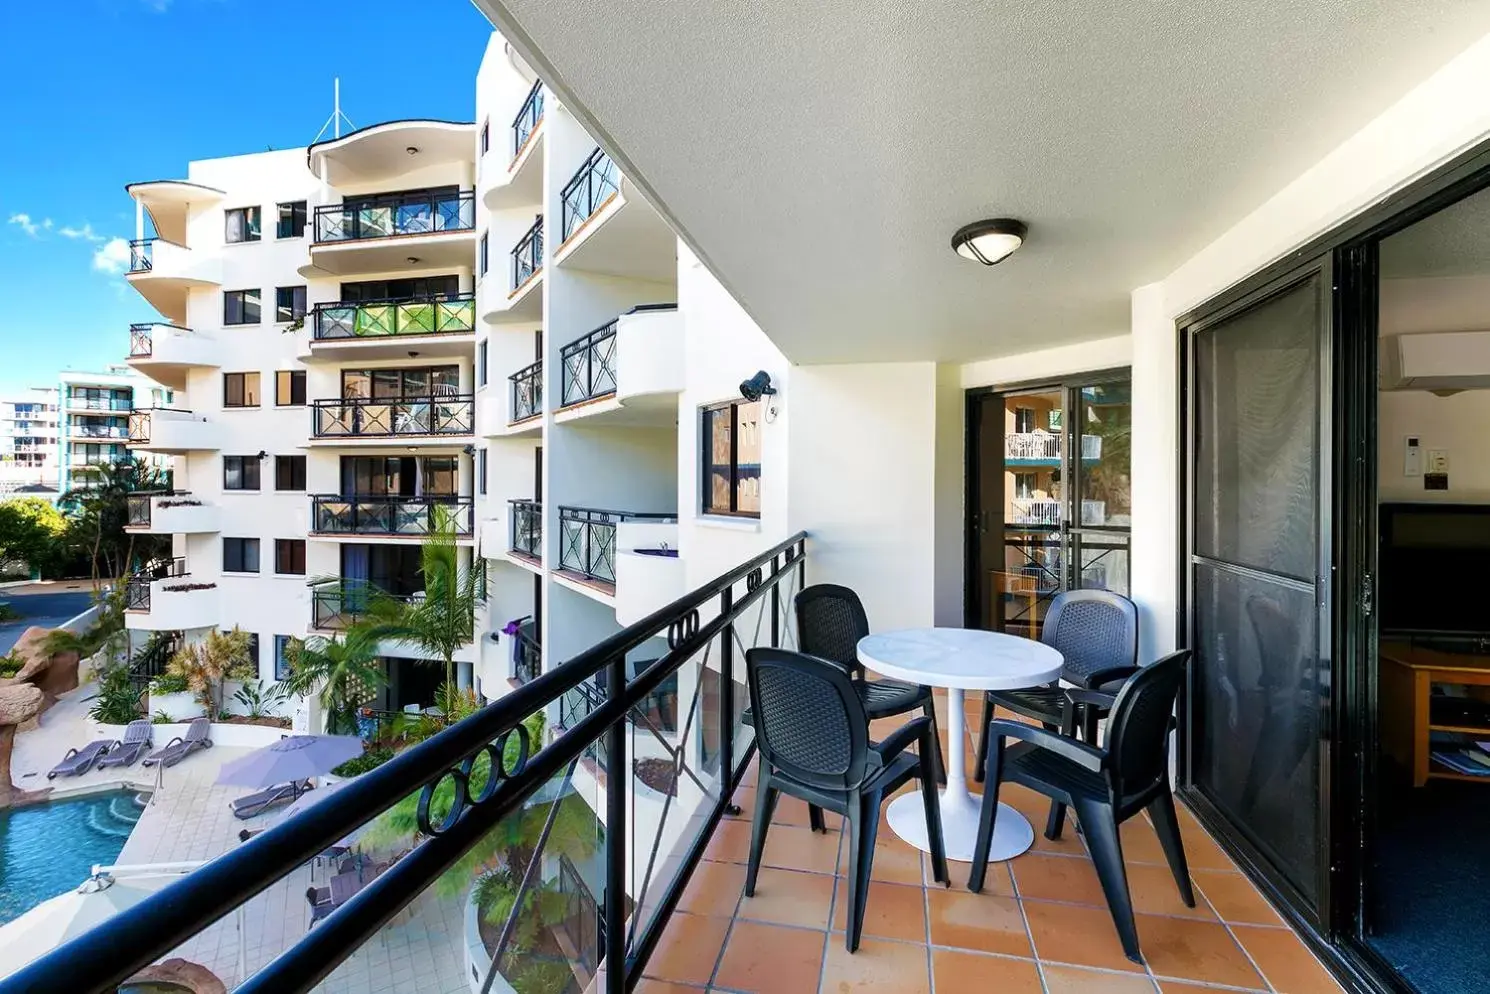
(289, 303)
(481, 363)
(253, 651)
(289, 472)
(481, 471)
(289, 388)
(240, 555)
(1024, 420)
(240, 389)
(291, 223)
(240, 472)
(289, 556)
(1024, 485)
(240, 307)
(732, 459)
(485, 136)
(243, 225)
(281, 663)
(483, 254)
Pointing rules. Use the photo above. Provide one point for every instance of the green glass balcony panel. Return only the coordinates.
(456, 315)
(377, 319)
(416, 318)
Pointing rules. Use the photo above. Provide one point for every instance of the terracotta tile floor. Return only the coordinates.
(1039, 927)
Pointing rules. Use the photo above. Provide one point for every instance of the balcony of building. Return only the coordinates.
(165, 597)
(172, 431)
(516, 409)
(165, 272)
(606, 226)
(517, 178)
(166, 353)
(336, 604)
(628, 371)
(353, 516)
(1043, 448)
(111, 428)
(524, 298)
(170, 512)
(442, 326)
(625, 559)
(1046, 512)
(391, 232)
(444, 420)
(517, 536)
(96, 401)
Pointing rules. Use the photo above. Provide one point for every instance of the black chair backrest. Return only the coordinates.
(1094, 630)
(1138, 729)
(810, 723)
(1277, 640)
(830, 623)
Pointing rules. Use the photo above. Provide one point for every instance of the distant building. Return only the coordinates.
(94, 409)
(28, 443)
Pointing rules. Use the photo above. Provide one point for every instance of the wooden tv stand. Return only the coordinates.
(1408, 673)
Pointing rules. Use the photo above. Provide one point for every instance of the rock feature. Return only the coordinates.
(54, 675)
(18, 704)
(184, 974)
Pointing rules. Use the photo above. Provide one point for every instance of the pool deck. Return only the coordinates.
(189, 819)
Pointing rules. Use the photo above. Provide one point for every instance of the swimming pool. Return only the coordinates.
(48, 849)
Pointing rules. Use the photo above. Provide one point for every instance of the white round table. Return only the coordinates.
(960, 659)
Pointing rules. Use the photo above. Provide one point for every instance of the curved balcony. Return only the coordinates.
(391, 233)
(627, 372)
(353, 515)
(589, 542)
(171, 202)
(171, 431)
(520, 180)
(382, 153)
(170, 512)
(432, 420)
(524, 301)
(165, 352)
(608, 227)
(440, 327)
(515, 407)
(165, 273)
(166, 598)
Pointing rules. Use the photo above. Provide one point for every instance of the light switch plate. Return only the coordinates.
(1438, 460)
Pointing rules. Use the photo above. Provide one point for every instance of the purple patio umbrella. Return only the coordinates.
(292, 758)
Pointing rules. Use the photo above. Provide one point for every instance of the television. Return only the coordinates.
(1434, 570)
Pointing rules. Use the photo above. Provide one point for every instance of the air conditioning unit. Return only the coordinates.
(1436, 360)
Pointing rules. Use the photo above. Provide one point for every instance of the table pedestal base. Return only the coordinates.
(1012, 833)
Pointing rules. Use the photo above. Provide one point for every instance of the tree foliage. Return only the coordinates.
(32, 531)
(342, 671)
(99, 510)
(208, 664)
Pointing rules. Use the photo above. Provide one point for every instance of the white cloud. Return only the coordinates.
(85, 233)
(30, 227)
(112, 257)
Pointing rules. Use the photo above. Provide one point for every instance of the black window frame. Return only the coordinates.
(227, 392)
(483, 253)
(486, 136)
(481, 467)
(253, 224)
(706, 490)
(240, 560)
(245, 298)
(481, 362)
(296, 384)
(292, 467)
(295, 308)
(298, 209)
(246, 466)
(281, 664)
(289, 546)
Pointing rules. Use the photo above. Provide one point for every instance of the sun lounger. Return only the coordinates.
(80, 761)
(136, 741)
(180, 747)
(271, 797)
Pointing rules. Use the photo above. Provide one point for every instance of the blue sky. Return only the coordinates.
(100, 93)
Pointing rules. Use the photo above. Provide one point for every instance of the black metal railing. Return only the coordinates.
(137, 587)
(526, 537)
(593, 184)
(453, 314)
(367, 417)
(336, 604)
(587, 539)
(376, 514)
(138, 505)
(481, 776)
(589, 366)
(527, 392)
(527, 652)
(527, 119)
(396, 214)
(142, 255)
(141, 340)
(527, 254)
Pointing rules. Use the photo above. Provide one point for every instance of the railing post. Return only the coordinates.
(616, 846)
(775, 603)
(727, 696)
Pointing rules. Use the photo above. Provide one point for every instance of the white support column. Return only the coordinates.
(1155, 470)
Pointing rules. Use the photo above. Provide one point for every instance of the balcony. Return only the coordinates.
(334, 515)
(165, 352)
(589, 539)
(89, 431)
(525, 532)
(171, 431)
(608, 227)
(1046, 512)
(432, 420)
(520, 182)
(1039, 447)
(627, 372)
(382, 234)
(170, 512)
(336, 604)
(527, 653)
(524, 408)
(440, 327)
(164, 598)
(164, 273)
(80, 403)
(523, 301)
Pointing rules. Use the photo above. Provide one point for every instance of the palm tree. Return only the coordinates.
(442, 621)
(207, 664)
(341, 671)
(100, 510)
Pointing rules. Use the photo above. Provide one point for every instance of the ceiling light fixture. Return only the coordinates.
(412, 260)
(412, 149)
(991, 241)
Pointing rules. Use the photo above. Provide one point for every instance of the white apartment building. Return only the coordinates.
(93, 426)
(28, 443)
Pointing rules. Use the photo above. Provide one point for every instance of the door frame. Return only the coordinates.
(973, 397)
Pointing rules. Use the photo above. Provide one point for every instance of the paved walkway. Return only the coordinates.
(49, 605)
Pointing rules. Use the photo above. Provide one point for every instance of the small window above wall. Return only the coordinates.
(291, 221)
(732, 459)
(241, 307)
(242, 224)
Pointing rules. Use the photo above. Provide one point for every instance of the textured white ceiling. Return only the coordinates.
(1453, 242)
(819, 155)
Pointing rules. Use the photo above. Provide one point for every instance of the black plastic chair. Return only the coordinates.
(830, 622)
(1105, 786)
(1096, 631)
(812, 731)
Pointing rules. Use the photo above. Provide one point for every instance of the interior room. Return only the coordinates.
(1428, 883)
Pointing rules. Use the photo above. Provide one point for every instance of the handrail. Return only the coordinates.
(395, 215)
(527, 254)
(526, 527)
(527, 392)
(589, 365)
(592, 185)
(526, 121)
(114, 950)
(390, 514)
(142, 337)
(431, 314)
(587, 539)
(394, 417)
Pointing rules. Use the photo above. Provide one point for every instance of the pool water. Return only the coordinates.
(48, 849)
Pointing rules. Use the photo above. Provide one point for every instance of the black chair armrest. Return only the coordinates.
(1079, 753)
(1100, 698)
(896, 742)
(1098, 678)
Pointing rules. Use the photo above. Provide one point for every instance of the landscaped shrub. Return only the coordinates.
(369, 760)
(11, 664)
(118, 699)
(169, 683)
